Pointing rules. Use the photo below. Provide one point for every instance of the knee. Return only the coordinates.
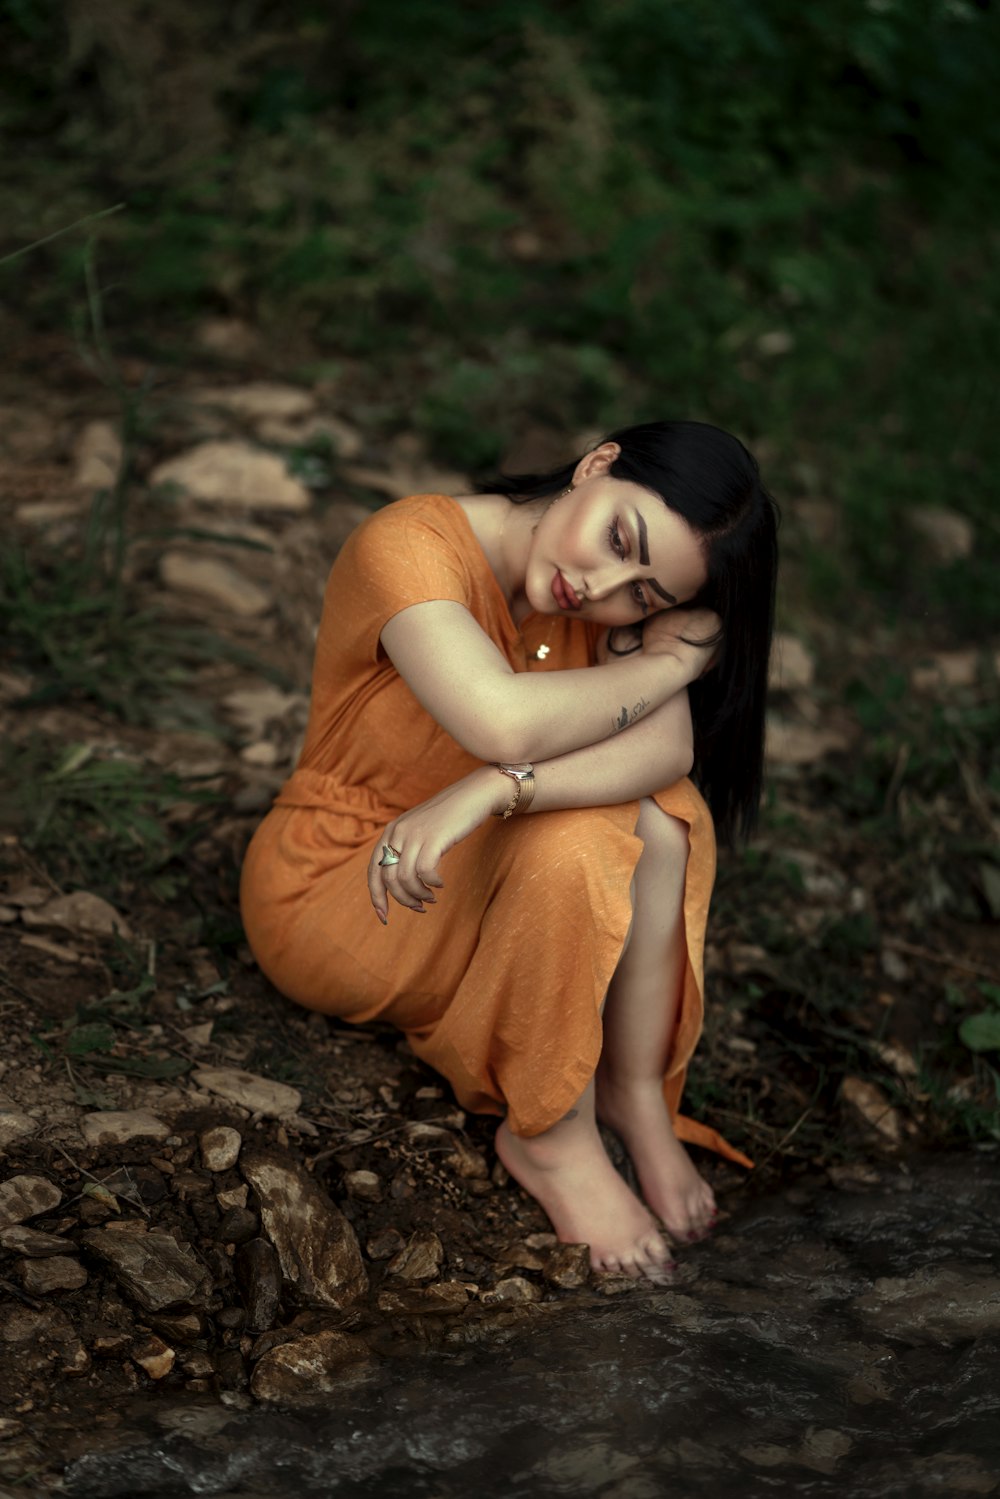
(665, 837)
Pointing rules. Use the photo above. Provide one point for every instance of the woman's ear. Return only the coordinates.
(597, 462)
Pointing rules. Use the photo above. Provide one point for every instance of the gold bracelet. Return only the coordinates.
(523, 777)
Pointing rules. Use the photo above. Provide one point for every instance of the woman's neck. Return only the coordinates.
(504, 531)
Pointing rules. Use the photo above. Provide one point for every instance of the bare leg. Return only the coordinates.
(567, 1170)
(639, 1018)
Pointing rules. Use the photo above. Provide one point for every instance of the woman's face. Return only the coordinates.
(611, 551)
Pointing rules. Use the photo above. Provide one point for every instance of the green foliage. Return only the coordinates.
(99, 822)
(575, 214)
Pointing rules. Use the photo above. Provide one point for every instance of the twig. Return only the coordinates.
(948, 960)
(135, 1202)
(90, 218)
(759, 1166)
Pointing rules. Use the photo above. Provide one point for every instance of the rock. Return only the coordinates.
(386, 1242)
(792, 666)
(238, 1226)
(97, 456)
(936, 1304)
(420, 1134)
(446, 1296)
(822, 1450)
(514, 1290)
(366, 1186)
(112, 1343)
(541, 1241)
(234, 473)
(421, 1259)
(15, 1125)
(254, 708)
(259, 401)
(568, 1266)
(949, 535)
(48, 1338)
(258, 1094)
(940, 670)
(258, 1275)
(309, 1369)
(345, 440)
(23, 1197)
(79, 912)
(58, 1273)
(799, 743)
(233, 1197)
(183, 1327)
(216, 581)
(112, 1127)
(150, 1267)
(875, 1109)
(263, 754)
(467, 1162)
(316, 1244)
(31, 1242)
(220, 1147)
(228, 337)
(155, 1357)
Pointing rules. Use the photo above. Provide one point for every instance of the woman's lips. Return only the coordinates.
(564, 593)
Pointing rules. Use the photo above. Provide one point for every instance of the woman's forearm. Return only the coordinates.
(656, 752)
(550, 715)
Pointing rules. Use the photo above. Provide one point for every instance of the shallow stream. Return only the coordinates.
(828, 1341)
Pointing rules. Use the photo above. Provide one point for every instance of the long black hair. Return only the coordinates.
(709, 479)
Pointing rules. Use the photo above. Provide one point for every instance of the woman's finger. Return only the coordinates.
(377, 884)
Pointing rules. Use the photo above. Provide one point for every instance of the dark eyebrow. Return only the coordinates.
(644, 559)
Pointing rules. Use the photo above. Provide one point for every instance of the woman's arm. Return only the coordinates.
(456, 672)
(656, 753)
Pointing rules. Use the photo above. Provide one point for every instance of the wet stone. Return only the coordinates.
(936, 1304)
(151, 1267)
(446, 1296)
(568, 1266)
(316, 1245)
(258, 1276)
(421, 1259)
(56, 1273)
(306, 1370)
(23, 1197)
(512, 1291)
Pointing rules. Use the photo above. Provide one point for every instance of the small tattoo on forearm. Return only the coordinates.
(626, 717)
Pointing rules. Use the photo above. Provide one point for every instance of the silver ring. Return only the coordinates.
(390, 855)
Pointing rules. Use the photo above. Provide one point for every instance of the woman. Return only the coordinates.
(510, 690)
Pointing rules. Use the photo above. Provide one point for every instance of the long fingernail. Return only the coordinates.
(382, 917)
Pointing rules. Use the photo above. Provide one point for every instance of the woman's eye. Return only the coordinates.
(639, 597)
(615, 537)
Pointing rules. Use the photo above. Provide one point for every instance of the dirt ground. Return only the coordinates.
(835, 982)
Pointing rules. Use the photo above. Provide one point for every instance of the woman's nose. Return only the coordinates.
(603, 581)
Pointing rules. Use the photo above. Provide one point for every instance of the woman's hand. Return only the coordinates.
(662, 635)
(422, 835)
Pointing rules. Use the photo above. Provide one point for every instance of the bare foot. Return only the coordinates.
(682, 1200)
(587, 1201)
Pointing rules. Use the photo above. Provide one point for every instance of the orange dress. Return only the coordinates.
(500, 985)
